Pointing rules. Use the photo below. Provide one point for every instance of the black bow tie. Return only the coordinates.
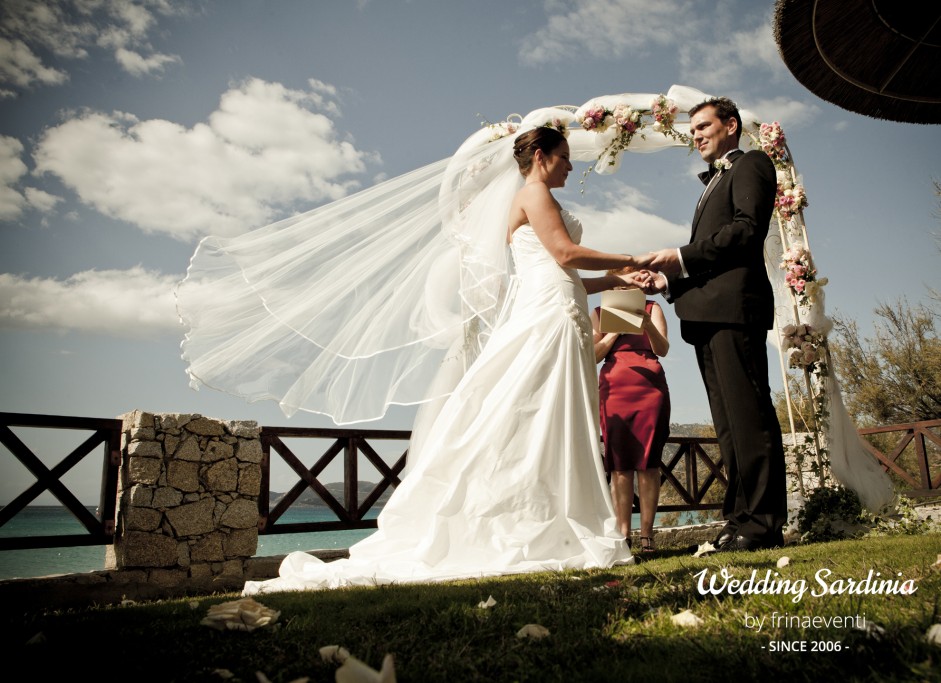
(706, 176)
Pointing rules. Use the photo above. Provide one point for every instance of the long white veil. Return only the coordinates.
(383, 297)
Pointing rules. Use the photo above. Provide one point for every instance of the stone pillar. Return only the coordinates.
(187, 497)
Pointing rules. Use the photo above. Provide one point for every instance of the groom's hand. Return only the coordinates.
(653, 283)
(666, 261)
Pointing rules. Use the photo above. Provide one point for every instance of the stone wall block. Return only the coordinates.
(174, 423)
(183, 475)
(167, 497)
(217, 450)
(249, 481)
(183, 553)
(143, 470)
(249, 451)
(205, 427)
(222, 476)
(233, 568)
(241, 542)
(170, 443)
(192, 519)
(246, 429)
(201, 571)
(142, 434)
(144, 449)
(188, 497)
(241, 514)
(141, 496)
(141, 549)
(208, 549)
(188, 450)
(143, 519)
(167, 577)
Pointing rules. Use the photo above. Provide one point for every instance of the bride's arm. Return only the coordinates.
(543, 214)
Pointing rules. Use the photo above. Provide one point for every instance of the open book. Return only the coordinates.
(623, 310)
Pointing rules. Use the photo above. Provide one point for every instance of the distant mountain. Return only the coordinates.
(308, 497)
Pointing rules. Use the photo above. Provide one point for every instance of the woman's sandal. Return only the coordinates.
(646, 544)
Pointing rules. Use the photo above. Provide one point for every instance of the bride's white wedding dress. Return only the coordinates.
(508, 478)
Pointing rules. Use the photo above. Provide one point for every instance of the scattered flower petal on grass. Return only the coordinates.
(871, 630)
(37, 639)
(334, 653)
(194, 604)
(937, 563)
(534, 631)
(239, 615)
(355, 671)
(704, 549)
(488, 604)
(934, 634)
(686, 618)
(128, 603)
(224, 674)
(261, 678)
(783, 561)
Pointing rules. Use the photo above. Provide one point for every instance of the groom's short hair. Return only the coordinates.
(725, 109)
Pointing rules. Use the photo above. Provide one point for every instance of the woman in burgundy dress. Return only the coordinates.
(635, 416)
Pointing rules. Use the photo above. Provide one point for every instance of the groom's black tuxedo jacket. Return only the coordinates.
(727, 281)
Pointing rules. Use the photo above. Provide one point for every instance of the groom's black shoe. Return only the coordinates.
(724, 537)
(740, 542)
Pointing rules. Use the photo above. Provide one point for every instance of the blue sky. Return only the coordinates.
(128, 130)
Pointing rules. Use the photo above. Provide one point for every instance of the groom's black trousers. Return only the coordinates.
(733, 360)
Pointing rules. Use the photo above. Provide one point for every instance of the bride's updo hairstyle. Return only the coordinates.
(525, 146)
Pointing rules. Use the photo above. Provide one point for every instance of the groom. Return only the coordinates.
(722, 295)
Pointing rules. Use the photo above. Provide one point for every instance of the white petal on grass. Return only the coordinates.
(355, 671)
(704, 549)
(783, 561)
(687, 618)
(334, 653)
(490, 602)
(934, 634)
(240, 615)
(534, 631)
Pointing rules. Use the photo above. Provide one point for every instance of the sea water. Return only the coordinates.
(52, 520)
(42, 520)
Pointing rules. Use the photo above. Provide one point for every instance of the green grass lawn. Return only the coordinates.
(604, 625)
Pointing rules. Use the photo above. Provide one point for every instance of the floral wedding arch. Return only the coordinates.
(603, 128)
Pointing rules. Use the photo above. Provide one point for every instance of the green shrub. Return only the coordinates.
(831, 513)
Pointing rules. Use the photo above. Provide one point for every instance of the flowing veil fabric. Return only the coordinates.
(384, 297)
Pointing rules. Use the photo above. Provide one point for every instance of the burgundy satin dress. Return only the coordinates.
(635, 404)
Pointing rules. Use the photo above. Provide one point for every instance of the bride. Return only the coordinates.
(504, 470)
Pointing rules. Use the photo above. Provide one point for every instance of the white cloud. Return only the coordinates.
(722, 57)
(138, 65)
(41, 200)
(12, 169)
(619, 223)
(789, 113)
(606, 29)
(130, 303)
(263, 150)
(19, 66)
(70, 28)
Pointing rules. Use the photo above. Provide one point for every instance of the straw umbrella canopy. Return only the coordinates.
(881, 58)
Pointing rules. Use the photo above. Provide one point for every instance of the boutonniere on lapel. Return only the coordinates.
(722, 164)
